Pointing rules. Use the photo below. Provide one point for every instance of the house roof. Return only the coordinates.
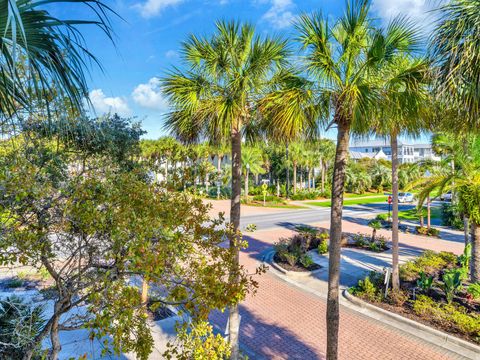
(375, 143)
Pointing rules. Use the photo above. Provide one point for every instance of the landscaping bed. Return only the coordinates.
(292, 253)
(434, 290)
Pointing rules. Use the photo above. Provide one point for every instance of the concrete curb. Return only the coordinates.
(433, 336)
(298, 274)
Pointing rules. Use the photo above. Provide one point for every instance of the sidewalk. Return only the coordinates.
(283, 321)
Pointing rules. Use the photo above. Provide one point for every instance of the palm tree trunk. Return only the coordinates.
(287, 186)
(166, 171)
(428, 212)
(219, 171)
(475, 262)
(395, 250)
(144, 296)
(322, 169)
(246, 184)
(301, 178)
(294, 178)
(309, 178)
(338, 185)
(466, 229)
(234, 318)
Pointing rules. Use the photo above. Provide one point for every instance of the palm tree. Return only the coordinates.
(216, 98)
(406, 98)
(252, 162)
(42, 54)
(342, 58)
(296, 154)
(466, 180)
(455, 50)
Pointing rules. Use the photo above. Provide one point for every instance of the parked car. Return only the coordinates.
(405, 197)
(447, 196)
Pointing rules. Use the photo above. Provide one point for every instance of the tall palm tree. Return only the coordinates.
(403, 112)
(466, 180)
(216, 97)
(296, 156)
(42, 54)
(252, 163)
(455, 50)
(341, 57)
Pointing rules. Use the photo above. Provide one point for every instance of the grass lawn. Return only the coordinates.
(354, 201)
(367, 194)
(411, 215)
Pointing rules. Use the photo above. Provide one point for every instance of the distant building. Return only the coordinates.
(381, 149)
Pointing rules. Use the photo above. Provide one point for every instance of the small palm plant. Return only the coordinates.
(375, 225)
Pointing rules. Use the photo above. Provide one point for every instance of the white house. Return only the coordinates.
(381, 149)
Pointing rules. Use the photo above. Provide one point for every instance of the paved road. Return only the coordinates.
(289, 219)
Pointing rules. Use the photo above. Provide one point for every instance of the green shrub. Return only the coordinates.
(451, 283)
(291, 258)
(451, 216)
(269, 198)
(14, 283)
(451, 315)
(306, 261)
(474, 290)
(373, 246)
(323, 248)
(382, 217)
(422, 230)
(429, 263)
(464, 260)
(425, 282)
(367, 290)
(20, 324)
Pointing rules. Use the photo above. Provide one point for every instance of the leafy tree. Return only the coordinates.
(342, 58)
(215, 98)
(44, 54)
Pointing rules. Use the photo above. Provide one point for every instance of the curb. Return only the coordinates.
(433, 336)
(299, 274)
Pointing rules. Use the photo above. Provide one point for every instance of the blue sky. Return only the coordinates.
(148, 39)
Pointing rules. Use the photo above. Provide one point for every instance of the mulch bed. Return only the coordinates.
(354, 246)
(297, 267)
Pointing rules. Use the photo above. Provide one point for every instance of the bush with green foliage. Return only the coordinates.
(452, 281)
(422, 230)
(367, 290)
(474, 290)
(451, 216)
(323, 248)
(429, 263)
(450, 315)
(308, 195)
(20, 323)
(425, 282)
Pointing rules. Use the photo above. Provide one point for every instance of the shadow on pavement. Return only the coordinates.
(266, 340)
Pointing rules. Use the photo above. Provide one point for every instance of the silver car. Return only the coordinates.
(405, 197)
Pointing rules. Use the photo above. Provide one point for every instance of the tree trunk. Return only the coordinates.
(294, 178)
(54, 338)
(219, 172)
(374, 234)
(278, 187)
(395, 249)
(338, 185)
(166, 171)
(234, 318)
(322, 169)
(466, 229)
(475, 261)
(301, 179)
(287, 186)
(144, 296)
(246, 184)
(428, 212)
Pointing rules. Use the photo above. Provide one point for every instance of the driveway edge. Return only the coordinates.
(433, 336)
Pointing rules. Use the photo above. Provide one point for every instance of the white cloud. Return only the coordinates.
(149, 95)
(151, 8)
(416, 10)
(171, 54)
(279, 15)
(103, 104)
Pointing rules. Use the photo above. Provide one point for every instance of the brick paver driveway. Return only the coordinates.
(284, 322)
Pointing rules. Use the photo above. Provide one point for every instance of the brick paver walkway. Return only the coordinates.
(284, 322)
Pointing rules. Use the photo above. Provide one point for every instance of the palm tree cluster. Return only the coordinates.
(356, 75)
(235, 89)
